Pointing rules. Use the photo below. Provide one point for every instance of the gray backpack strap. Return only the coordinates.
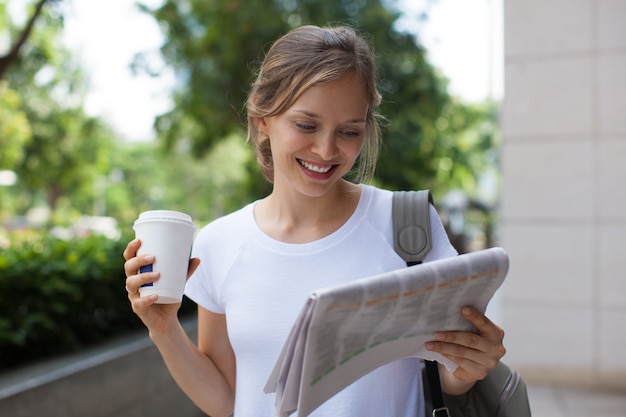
(411, 225)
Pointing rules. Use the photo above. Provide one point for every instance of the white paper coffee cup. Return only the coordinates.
(168, 235)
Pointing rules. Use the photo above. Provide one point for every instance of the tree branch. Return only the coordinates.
(13, 54)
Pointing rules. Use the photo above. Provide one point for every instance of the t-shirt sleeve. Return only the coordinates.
(201, 286)
(217, 245)
(210, 245)
(201, 293)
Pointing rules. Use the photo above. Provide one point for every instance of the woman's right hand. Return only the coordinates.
(156, 317)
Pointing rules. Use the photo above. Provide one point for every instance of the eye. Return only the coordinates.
(305, 126)
(351, 133)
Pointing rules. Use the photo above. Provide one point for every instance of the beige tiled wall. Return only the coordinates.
(563, 213)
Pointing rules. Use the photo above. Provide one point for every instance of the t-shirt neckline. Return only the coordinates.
(322, 243)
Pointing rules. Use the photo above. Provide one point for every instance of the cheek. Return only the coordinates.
(353, 148)
(284, 146)
(289, 141)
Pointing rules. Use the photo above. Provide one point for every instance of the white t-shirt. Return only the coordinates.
(260, 284)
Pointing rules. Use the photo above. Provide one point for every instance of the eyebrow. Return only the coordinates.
(317, 116)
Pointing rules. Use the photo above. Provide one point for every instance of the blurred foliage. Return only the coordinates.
(14, 128)
(70, 161)
(205, 187)
(58, 150)
(215, 46)
(60, 296)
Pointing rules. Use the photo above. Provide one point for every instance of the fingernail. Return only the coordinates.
(149, 258)
(429, 345)
(440, 336)
(467, 311)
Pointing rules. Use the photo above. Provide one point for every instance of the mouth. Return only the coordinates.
(316, 168)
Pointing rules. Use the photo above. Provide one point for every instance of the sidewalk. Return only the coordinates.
(555, 401)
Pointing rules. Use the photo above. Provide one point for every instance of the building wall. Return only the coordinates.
(563, 213)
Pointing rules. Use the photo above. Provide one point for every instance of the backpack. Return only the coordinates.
(503, 392)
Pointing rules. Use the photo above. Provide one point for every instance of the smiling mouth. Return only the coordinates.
(315, 168)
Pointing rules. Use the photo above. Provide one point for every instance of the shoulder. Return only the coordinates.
(377, 200)
(217, 245)
(218, 242)
(380, 214)
(227, 226)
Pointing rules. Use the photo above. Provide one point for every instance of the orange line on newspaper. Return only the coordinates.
(375, 301)
(419, 291)
(410, 293)
(459, 280)
(485, 274)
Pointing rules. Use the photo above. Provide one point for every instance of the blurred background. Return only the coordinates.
(112, 108)
(511, 113)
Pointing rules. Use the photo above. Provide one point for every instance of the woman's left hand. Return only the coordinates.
(474, 353)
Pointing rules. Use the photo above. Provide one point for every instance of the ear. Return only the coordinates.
(261, 124)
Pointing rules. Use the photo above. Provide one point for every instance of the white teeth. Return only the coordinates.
(315, 168)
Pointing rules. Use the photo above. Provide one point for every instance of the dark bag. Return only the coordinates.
(503, 392)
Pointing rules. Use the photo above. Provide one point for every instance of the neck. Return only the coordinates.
(302, 219)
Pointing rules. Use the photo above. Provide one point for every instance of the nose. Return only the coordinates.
(325, 145)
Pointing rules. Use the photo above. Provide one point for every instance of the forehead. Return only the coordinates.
(345, 97)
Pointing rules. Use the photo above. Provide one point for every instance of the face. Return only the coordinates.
(317, 140)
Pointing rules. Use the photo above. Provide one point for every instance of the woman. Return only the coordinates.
(312, 118)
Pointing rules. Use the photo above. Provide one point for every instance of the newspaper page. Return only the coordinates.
(344, 332)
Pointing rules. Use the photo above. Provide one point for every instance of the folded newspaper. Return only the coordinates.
(344, 332)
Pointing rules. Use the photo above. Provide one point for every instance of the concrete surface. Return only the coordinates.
(126, 378)
(560, 401)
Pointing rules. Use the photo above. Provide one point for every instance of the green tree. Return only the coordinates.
(20, 35)
(213, 45)
(14, 128)
(67, 153)
(62, 149)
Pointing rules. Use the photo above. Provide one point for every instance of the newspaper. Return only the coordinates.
(344, 332)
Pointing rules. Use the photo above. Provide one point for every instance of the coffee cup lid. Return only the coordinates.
(164, 216)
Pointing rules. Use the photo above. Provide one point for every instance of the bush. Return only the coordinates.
(60, 296)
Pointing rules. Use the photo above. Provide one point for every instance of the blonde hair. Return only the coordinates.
(305, 57)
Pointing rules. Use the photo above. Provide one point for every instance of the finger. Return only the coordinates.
(132, 265)
(469, 340)
(470, 345)
(140, 304)
(133, 282)
(131, 249)
(485, 326)
(193, 265)
(472, 364)
(467, 344)
(469, 370)
(459, 354)
(459, 344)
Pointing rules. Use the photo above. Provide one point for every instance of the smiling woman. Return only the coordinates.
(270, 97)
(312, 112)
(318, 132)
